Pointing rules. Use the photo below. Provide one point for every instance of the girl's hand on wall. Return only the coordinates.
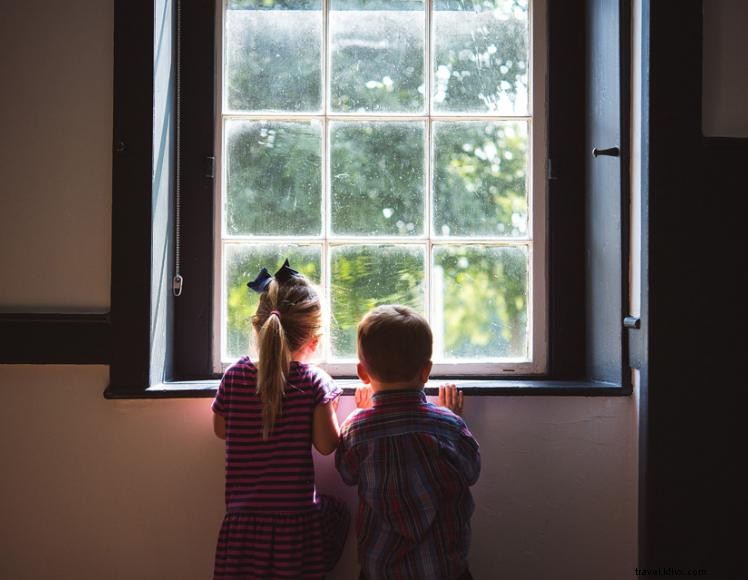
(451, 398)
(363, 397)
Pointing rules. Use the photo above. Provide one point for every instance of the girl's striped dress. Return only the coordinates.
(276, 526)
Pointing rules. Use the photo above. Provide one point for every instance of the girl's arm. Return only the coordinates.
(325, 428)
(219, 426)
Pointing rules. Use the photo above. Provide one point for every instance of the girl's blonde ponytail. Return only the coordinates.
(289, 315)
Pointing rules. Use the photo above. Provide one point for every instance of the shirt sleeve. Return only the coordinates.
(462, 452)
(325, 389)
(221, 401)
(347, 460)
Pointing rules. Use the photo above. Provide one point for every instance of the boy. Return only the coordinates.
(413, 461)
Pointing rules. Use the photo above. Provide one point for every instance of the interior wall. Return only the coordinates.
(55, 155)
(94, 488)
(725, 68)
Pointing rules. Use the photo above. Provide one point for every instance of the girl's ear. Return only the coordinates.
(362, 374)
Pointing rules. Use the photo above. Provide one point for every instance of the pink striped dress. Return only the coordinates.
(276, 526)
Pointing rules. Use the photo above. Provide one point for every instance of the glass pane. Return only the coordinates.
(242, 263)
(367, 276)
(377, 178)
(480, 56)
(273, 55)
(479, 308)
(377, 55)
(273, 178)
(480, 179)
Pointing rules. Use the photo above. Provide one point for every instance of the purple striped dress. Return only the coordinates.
(276, 526)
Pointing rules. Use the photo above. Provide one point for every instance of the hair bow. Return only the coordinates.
(261, 283)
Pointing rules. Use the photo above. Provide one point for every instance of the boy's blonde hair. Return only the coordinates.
(394, 343)
(288, 317)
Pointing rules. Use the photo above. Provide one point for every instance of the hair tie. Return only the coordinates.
(278, 314)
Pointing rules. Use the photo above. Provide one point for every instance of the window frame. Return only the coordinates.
(141, 293)
(536, 365)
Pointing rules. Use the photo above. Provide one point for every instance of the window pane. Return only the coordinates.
(367, 276)
(242, 263)
(377, 178)
(377, 55)
(479, 308)
(273, 178)
(273, 55)
(480, 56)
(480, 179)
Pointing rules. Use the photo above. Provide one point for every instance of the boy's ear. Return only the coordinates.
(423, 377)
(362, 374)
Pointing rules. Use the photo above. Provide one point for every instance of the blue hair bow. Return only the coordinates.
(261, 283)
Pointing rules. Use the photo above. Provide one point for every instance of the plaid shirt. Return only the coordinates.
(413, 462)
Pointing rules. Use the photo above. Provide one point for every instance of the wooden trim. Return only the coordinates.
(566, 190)
(131, 193)
(193, 310)
(55, 339)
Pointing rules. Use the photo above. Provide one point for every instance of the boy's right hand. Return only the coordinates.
(450, 398)
(363, 396)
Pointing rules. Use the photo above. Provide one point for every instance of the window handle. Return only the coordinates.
(611, 151)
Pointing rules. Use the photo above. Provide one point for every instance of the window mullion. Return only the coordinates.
(427, 153)
(325, 274)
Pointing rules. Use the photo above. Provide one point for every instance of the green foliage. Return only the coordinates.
(484, 301)
(480, 178)
(273, 61)
(368, 276)
(377, 178)
(274, 178)
(387, 60)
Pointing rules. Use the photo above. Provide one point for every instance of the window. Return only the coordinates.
(395, 152)
(159, 345)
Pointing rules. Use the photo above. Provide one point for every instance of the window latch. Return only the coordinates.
(610, 151)
(176, 285)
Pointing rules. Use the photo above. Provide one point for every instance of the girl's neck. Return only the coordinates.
(305, 353)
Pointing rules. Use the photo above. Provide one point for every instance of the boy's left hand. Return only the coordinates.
(363, 397)
(451, 398)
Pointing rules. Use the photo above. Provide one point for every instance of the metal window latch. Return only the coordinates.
(176, 285)
(210, 167)
(611, 152)
(632, 322)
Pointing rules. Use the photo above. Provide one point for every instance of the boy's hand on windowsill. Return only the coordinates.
(451, 398)
(363, 397)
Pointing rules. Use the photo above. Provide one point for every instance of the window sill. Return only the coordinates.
(471, 387)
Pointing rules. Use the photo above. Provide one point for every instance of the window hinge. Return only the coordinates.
(551, 174)
(635, 341)
(632, 322)
(210, 167)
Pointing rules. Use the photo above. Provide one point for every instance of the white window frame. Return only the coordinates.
(536, 241)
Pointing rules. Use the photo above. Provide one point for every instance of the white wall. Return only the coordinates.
(133, 489)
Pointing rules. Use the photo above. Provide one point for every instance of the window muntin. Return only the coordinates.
(412, 174)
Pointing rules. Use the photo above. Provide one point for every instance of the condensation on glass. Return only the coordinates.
(384, 148)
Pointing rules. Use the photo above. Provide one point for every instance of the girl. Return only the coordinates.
(270, 413)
